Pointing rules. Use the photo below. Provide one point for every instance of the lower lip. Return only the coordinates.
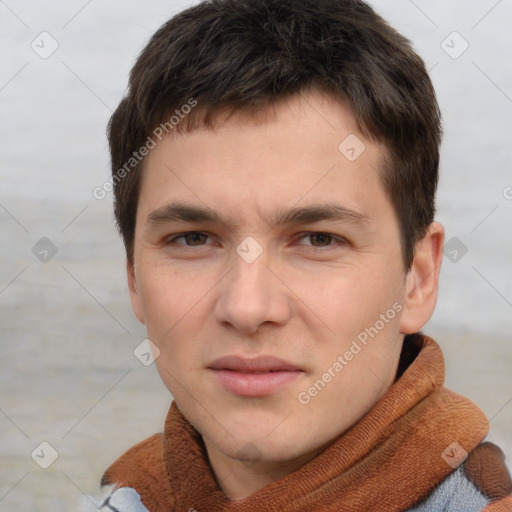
(255, 384)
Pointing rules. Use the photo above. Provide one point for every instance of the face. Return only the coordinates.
(268, 271)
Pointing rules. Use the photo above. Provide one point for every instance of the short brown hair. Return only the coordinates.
(244, 54)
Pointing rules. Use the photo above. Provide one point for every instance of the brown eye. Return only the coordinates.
(320, 239)
(195, 238)
(320, 242)
(191, 239)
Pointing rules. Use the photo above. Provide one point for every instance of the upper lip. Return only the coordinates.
(257, 364)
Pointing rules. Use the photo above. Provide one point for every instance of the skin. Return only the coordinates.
(304, 299)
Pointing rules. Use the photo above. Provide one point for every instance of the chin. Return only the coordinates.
(251, 444)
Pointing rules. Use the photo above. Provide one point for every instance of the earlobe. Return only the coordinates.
(134, 293)
(422, 280)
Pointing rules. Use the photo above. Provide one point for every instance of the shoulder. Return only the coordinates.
(145, 458)
(138, 479)
(124, 499)
(481, 483)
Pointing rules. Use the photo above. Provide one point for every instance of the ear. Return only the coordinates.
(421, 282)
(134, 294)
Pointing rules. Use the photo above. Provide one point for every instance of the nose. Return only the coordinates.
(251, 295)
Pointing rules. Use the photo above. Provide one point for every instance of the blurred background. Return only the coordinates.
(68, 374)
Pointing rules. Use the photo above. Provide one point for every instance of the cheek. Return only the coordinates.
(172, 307)
(170, 302)
(353, 301)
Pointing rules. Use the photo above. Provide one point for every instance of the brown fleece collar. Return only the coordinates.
(387, 461)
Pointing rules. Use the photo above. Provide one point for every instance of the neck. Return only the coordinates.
(238, 479)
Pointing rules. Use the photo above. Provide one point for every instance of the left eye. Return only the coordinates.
(321, 239)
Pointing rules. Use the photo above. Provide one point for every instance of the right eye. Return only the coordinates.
(191, 239)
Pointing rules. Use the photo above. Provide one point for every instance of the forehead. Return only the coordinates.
(305, 148)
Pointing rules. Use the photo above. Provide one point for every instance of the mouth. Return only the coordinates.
(257, 377)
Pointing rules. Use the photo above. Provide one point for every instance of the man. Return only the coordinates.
(275, 166)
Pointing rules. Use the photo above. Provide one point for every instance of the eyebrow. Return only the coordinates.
(315, 213)
(176, 212)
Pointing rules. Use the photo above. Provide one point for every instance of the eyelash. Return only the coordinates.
(339, 241)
